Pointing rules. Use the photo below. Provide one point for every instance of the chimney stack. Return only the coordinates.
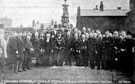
(96, 7)
(33, 23)
(132, 4)
(118, 8)
(101, 6)
(78, 11)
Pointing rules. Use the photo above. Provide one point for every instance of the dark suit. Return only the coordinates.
(76, 52)
(99, 48)
(59, 45)
(107, 52)
(67, 50)
(84, 52)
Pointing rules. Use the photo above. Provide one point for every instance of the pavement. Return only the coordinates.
(70, 74)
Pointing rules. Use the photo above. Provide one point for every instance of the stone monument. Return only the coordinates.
(65, 16)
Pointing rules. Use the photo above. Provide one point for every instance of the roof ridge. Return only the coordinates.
(106, 12)
(106, 9)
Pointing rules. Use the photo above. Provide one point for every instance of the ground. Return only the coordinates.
(65, 73)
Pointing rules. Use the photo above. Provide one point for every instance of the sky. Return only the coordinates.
(24, 11)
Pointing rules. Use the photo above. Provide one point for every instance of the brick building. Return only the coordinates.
(107, 19)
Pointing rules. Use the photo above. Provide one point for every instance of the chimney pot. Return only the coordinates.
(96, 7)
(101, 6)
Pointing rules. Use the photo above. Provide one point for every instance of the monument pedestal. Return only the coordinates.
(65, 16)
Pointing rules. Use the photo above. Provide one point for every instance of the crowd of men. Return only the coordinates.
(86, 47)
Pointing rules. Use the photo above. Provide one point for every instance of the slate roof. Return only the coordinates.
(106, 12)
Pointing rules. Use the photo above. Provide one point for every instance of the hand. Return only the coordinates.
(31, 49)
(116, 48)
(52, 36)
(122, 50)
(41, 50)
(24, 49)
(116, 59)
(16, 52)
(96, 52)
(52, 51)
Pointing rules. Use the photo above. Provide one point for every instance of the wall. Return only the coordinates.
(131, 20)
(102, 23)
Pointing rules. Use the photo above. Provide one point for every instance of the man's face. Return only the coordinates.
(89, 30)
(20, 34)
(107, 34)
(121, 37)
(68, 33)
(28, 38)
(84, 29)
(115, 35)
(91, 34)
(75, 30)
(59, 35)
(100, 36)
(62, 29)
(94, 35)
(123, 34)
(48, 36)
(110, 34)
(76, 36)
(2, 31)
(83, 37)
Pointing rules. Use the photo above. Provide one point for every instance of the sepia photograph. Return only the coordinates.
(67, 41)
